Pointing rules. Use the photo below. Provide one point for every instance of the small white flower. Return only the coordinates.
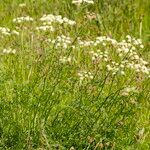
(15, 32)
(122, 72)
(22, 5)
(23, 19)
(84, 75)
(13, 51)
(141, 46)
(109, 68)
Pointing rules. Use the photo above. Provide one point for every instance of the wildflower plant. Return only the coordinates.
(69, 82)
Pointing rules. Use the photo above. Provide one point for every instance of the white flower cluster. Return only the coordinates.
(123, 46)
(102, 40)
(126, 48)
(14, 32)
(85, 43)
(134, 62)
(23, 19)
(139, 68)
(99, 56)
(61, 41)
(7, 31)
(128, 90)
(78, 2)
(9, 51)
(64, 60)
(104, 55)
(137, 63)
(117, 68)
(50, 18)
(84, 75)
(127, 64)
(45, 28)
(136, 42)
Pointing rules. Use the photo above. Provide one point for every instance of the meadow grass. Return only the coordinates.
(80, 82)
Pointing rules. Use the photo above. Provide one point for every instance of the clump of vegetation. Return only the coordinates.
(74, 75)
